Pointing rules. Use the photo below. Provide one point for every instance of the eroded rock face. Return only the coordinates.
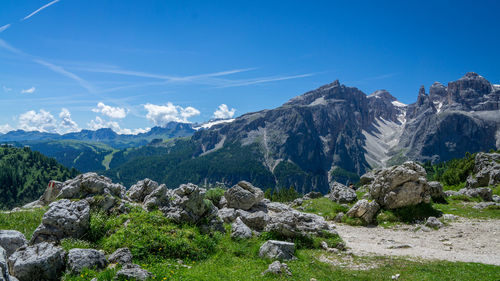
(486, 171)
(4, 269)
(480, 192)
(341, 194)
(79, 259)
(256, 220)
(121, 256)
(64, 219)
(243, 195)
(401, 186)
(279, 250)
(364, 210)
(42, 261)
(141, 189)
(90, 184)
(11, 240)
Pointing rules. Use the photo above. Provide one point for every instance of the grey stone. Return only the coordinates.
(280, 250)
(133, 272)
(64, 219)
(495, 198)
(433, 222)
(42, 261)
(436, 190)
(342, 194)
(486, 170)
(450, 217)
(53, 189)
(338, 217)
(4, 268)
(11, 240)
(243, 195)
(90, 184)
(240, 230)
(141, 189)
(228, 215)
(78, 259)
(104, 202)
(292, 223)
(257, 220)
(365, 210)
(481, 192)
(483, 205)
(313, 195)
(278, 268)
(401, 186)
(121, 256)
(451, 193)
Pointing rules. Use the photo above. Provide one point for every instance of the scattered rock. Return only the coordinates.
(338, 217)
(53, 189)
(401, 186)
(495, 198)
(133, 272)
(312, 195)
(64, 219)
(292, 223)
(484, 205)
(42, 261)
(103, 202)
(486, 171)
(141, 189)
(367, 178)
(79, 259)
(243, 195)
(436, 190)
(228, 215)
(481, 192)
(451, 193)
(341, 194)
(256, 221)
(121, 256)
(240, 230)
(450, 217)
(364, 210)
(278, 268)
(395, 277)
(433, 222)
(11, 240)
(280, 250)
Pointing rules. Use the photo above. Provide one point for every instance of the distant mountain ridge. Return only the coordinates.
(337, 133)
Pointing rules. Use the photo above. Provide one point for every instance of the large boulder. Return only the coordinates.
(42, 261)
(141, 189)
(239, 230)
(90, 184)
(365, 210)
(256, 220)
(132, 272)
(436, 190)
(4, 268)
(291, 223)
(400, 186)
(53, 189)
(64, 219)
(121, 256)
(486, 170)
(78, 259)
(279, 250)
(342, 194)
(228, 215)
(11, 240)
(243, 195)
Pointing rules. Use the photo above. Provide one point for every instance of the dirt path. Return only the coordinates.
(463, 240)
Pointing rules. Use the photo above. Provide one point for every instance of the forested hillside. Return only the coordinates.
(24, 175)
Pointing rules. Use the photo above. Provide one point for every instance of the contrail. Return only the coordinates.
(3, 28)
(40, 9)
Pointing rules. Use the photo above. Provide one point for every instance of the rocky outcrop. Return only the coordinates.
(256, 220)
(486, 171)
(4, 268)
(401, 186)
(239, 230)
(436, 190)
(64, 219)
(243, 195)
(141, 189)
(42, 261)
(279, 250)
(365, 210)
(78, 259)
(90, 184)
(480, 192)
(342, 194)
(11, 240)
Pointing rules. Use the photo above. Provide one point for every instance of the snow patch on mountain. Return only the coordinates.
(210, 124)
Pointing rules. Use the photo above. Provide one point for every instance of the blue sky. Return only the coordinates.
(72, 64)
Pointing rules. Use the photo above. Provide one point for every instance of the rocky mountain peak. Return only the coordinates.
(468, 88)
(438, 92)
(383, 94)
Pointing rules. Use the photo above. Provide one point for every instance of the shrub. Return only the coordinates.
(214, 195)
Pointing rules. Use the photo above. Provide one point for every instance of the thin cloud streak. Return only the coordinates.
(66, 73)
(263, 80)
(3, 28)
(40, 9)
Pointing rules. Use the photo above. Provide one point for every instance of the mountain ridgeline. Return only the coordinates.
(334, 133)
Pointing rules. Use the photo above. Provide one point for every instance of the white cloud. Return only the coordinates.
(67, 125)
(223, 112)
(28, 91)
(40, 9)
(5, 128)
(160, 115)
(6, 89)
(42, 121)
(3, 28)
(99, 123)
(112, 112)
